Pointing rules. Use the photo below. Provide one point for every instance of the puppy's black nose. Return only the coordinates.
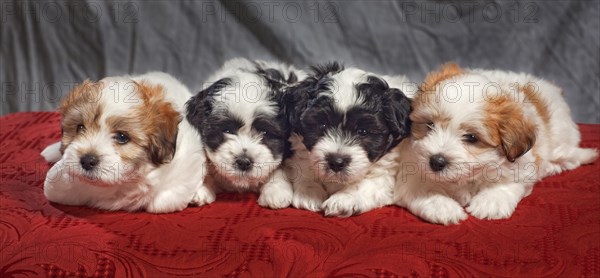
(243, 163)
(337, 162)
(437, 162)
(89, 161)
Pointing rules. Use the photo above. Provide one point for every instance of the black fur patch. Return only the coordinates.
(210, 125)
(377, 124)
(297, 98)
(200, 105)
(216, 126)
(278, 83)
(331, 68)
(213, 124)
(319, 116)
(274, 134)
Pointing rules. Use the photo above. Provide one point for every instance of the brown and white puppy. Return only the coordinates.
(126, 146)
(481, 139)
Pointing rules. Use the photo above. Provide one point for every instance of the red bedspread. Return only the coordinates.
(554, 232)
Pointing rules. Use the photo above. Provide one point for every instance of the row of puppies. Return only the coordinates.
(320, 141)
(337, 139)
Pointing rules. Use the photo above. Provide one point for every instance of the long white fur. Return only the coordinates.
(369, 186)
(166, 188)
(486, 184)
(247, 98)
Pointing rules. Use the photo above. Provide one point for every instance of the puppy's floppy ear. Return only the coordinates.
(397, 108)
(518, 137)
(163, 143)
(514, 133)
(294, 102)
(161, 120)
(200, 105)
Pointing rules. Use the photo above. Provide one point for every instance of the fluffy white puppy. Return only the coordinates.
(241, 118)
(481, 140)
(345, 124)
(126, 146)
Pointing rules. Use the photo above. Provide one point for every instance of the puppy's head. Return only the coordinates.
(348, 119)
(463, 123)
(242, 124)
(113, 129)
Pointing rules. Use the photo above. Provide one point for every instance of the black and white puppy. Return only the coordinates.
(345, 124)
(245, 130)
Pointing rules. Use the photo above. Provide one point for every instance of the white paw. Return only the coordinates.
(341, 205)
(309, 198)
(440, 210)
(491, 205)
(166, 202)
(275, 197)
(203, 196)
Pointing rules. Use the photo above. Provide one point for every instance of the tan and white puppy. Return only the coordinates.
(481, 140)
(126, 146)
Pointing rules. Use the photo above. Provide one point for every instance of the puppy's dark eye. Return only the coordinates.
(80, 128)
(121, 138)
(362, 132)
(228, 131)
(470, 138)
(430, 125)
(322, 126)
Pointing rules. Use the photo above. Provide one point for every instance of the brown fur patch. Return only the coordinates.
(419, 130)
(423, 103)
(81, 107)
(484, 143)
(133, 126)
(508, 127)
(160, 123)
(425, 114)
(532, 96)
(446, 71)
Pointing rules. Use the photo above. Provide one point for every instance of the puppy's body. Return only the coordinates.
(126, 147)
(240, 114)
(346, 122)
(481, 140)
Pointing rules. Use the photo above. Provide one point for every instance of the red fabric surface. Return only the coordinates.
(554, 232)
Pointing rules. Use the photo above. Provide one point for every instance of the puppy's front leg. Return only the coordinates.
(277, 192)
(62, 187)
(437, 208)
(177, 198)
(309, 194)
(426, 203)
(497, 202)
(206, 191)
(204, 195)
(368, 194)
